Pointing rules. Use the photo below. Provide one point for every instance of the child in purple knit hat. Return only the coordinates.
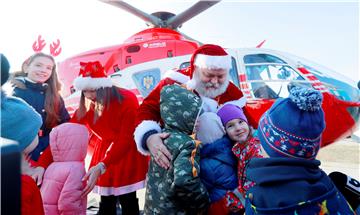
(217, 162)
(244, 146)
(288, 180)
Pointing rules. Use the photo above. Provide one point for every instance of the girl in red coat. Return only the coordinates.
(117, 170)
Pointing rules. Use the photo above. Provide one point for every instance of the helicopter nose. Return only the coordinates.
(337, 126)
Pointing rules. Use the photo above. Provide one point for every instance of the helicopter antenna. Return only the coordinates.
(260, 44)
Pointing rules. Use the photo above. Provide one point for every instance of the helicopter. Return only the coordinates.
(263, 75)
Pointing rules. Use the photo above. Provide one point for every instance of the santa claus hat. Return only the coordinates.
(210, 56)
(92, 75)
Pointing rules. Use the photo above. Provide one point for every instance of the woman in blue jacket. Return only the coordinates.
(37, 83)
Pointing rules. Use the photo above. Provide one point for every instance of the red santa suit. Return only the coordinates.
(125, 167)
(114, 128)
(113, 136)
(206, 56)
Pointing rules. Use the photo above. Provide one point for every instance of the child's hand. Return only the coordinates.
(91, 177)
(37, 174)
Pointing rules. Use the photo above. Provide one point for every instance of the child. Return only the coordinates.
(37, 83)
(62, 183)
(289, 180)
(244, 147)
(177, 190)
(217, 162)
(21, 123)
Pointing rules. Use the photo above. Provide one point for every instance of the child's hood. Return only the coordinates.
(209, 128)
(179, 108)
(286, 181)
(68, 142)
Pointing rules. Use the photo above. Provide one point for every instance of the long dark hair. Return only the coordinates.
(103, 98)
(52, 94)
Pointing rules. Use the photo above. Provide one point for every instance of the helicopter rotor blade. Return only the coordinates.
(148, 18)
(200, 6)
(190, 38)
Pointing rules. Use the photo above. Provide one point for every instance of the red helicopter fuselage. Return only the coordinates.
(263, 76)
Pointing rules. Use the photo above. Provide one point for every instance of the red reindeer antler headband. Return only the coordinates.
(55, 48)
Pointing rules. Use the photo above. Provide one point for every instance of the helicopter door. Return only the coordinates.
(234, 72)
(234, 75)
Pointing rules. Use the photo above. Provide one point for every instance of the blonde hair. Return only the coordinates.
(52, 94)
(102, 101)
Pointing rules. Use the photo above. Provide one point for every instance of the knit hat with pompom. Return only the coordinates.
(292, 127)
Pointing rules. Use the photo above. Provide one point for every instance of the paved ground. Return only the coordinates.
(342, 156)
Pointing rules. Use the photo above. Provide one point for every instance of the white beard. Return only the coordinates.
(200, 87)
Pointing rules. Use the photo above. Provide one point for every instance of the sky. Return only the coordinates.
(326, 32)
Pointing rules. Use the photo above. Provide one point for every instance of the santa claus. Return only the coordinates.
(207, 75)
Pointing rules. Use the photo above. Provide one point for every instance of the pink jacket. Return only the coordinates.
(62, 185)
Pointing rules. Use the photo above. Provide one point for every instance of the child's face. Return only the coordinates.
(238, 130)
(32, 146)
(40, 69)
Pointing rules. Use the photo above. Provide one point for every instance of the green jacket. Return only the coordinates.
(177, 190)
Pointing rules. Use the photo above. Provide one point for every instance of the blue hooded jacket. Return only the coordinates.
(218, 167)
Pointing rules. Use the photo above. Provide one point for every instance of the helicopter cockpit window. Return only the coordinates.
(234, 77)
(270, 76)
(281, 72)
(262, 58)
